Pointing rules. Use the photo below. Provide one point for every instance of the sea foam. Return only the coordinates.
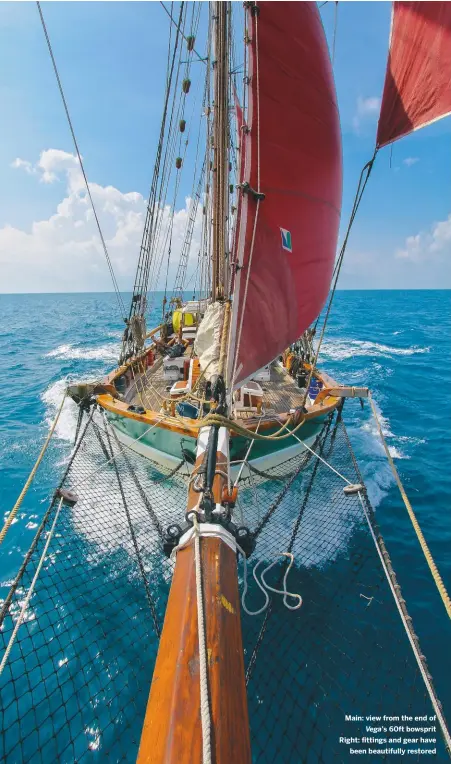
(340, 349)
(68, 352)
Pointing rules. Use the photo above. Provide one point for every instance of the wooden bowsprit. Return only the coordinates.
(184, 724)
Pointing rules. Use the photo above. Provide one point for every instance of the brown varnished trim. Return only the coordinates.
(189, 429)
(219, 482)
(172, 732)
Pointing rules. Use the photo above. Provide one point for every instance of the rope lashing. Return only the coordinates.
(29, 480)
(416, 526)
(23, 609)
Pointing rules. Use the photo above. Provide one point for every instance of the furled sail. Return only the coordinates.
(417, 88)
(292, 154)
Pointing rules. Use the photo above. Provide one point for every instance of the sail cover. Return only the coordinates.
(292, 154)
(417, 88)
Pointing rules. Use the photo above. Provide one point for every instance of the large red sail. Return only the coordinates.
(417, 88)
(287, 242)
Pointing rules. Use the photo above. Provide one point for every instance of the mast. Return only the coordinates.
(197, 709)
(221, 19)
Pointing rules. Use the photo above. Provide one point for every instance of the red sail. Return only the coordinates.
(240, 169)
(417, 88)
(292, 152)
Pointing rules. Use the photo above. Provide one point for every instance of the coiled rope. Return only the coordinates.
(416, 526)
(265, 587)
(29, 480)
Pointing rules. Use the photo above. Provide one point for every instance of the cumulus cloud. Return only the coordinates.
(366, 110)
(64, 252)
(409, 161)
(434, 244)
(423, 262)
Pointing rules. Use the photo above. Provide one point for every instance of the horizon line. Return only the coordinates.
(161, 291)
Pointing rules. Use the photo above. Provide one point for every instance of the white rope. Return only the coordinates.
(320, 457)
(265, 587)
(208, 530)
(246, 457)
(30, 591)
(203, 656)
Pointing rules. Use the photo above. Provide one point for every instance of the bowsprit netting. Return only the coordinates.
(76, 682)
(77, 679)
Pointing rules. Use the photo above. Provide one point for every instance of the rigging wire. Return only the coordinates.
(181, 32)
(194, 26)
(335, 31)
(120, 301)
(142, 272)
(168, 164)
(363, 180)
(196, 193)
(180, 117)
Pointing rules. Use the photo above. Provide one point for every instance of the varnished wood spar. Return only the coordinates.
(172, 732)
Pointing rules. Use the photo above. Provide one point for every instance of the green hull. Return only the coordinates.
(165, 446)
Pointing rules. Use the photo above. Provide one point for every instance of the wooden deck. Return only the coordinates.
(280, 393)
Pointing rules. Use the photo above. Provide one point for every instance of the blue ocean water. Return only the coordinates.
(397, 343)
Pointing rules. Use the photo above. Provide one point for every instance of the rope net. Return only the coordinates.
(77, 679)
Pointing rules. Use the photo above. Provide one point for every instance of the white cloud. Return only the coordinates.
(432, 245)
(423, 262)
(366, 109)
(54, 161)
(64, 252)
(24, 165)
(409, 161)
(368, 105)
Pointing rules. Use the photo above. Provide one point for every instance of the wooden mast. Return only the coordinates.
(174, 730)
(221, 141)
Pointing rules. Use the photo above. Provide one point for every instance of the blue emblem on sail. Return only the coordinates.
(286, 240)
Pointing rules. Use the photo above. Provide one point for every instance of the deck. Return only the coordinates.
(280, 393)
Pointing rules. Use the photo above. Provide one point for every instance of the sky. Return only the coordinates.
(112, 61)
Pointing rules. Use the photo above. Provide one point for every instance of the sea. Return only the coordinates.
(397, 343)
